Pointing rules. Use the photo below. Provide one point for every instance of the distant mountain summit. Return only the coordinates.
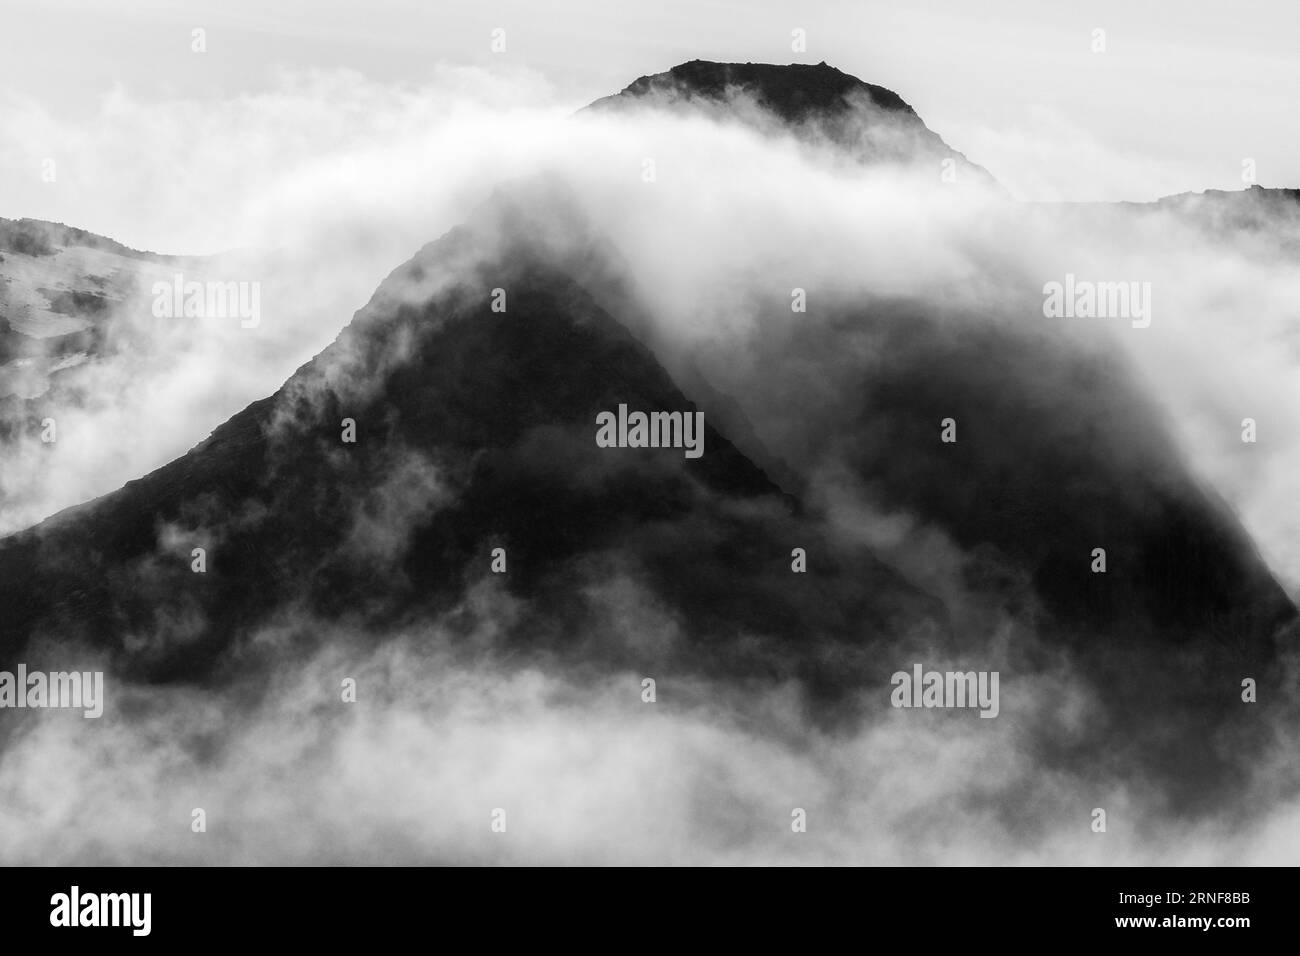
(796, 92)
(872, 123)
(58, 284)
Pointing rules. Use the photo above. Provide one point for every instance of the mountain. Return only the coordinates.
(472, 383)
(1272, 216)
(814, 103)
(68, 299)
(59, 287)
(475, 430)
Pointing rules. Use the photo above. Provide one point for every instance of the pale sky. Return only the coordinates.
(1182, 95)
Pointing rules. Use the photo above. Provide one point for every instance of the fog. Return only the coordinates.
(324, 187)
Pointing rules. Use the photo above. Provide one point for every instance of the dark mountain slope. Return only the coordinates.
(475, 430)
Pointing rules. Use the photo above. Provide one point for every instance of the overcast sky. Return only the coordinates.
(1183, 94)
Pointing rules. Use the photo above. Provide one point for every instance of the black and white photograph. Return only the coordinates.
(577, 434)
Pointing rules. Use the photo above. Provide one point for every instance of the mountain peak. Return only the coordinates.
(795, 92)
(814, 102)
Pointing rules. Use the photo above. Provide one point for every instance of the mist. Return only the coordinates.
(323, 188)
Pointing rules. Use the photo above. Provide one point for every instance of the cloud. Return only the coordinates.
(587, 772)
(921, 295)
